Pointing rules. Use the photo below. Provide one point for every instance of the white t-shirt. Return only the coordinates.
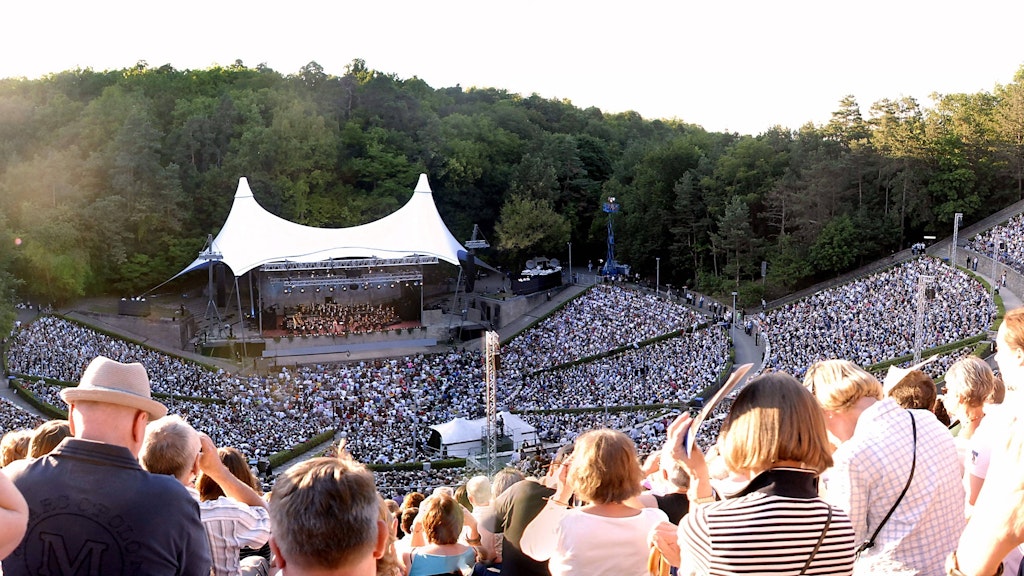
(580, 544)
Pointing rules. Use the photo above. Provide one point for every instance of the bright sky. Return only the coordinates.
(736, 65)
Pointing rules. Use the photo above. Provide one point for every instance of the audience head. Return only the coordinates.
(969, 384)
(916, 390)
(14, 446)
(604, 467)
(112, 404)
(560, 458)
(1010, 348)
(47, 436)
(412, 500)
(462, 497)
(773, 420)
(839, 384)
(442, 518)
(171, 447)
(843, 390)
(326, 516)
(673, 472)
(388, 563)
(236, 463)
(408, 517)
(999, 391)
(505, 478)
(478, 488)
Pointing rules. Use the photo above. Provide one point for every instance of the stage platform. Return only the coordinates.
(339, 346)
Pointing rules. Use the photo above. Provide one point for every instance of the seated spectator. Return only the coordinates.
(916, 390)
(517, 506)
(14, 446)
(148, 520)
(47, 436)
(209, 490)
(605, 536)
(326, 519)
(775, 437)
(441, 519)
(238, 519)
(895, 472)
(996, 526)
(670, 484)
(388, 564)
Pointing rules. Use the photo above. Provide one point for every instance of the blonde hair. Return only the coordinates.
(774, 418)
(604, 467)
(1013, 323)
(170, 446)
(970, 381)
(840, 384)
(478, 488)
(14, 446)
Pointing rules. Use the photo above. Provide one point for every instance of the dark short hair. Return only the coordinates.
(325, 513)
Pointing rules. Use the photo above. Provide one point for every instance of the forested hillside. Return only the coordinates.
(112, 180)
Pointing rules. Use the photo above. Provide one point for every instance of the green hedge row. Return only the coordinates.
(434, 465)
(279, 459)
(47, 409)
(63, 384)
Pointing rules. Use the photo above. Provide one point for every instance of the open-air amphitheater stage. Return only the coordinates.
(448, 321)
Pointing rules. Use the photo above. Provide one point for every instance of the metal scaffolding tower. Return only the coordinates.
(491, 352)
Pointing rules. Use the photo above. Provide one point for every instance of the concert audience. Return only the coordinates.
(872, 319)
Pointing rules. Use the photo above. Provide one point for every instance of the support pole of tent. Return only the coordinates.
(252, 302)
(455, 302)
(422, 287)
(241, 320)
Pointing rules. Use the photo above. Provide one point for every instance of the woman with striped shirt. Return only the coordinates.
(774, 435)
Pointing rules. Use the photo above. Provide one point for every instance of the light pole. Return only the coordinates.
(570, 262)
(657, 276)
(733, 320)
(957, 218)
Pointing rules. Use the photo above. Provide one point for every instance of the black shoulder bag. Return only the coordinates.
(870, 542)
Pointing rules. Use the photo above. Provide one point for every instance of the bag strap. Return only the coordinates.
(828, 522)
(870, 542)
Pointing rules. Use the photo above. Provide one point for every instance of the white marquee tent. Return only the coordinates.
(251, 236)
(461, 437)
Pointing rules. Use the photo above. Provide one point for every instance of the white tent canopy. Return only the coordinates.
(252, 237)
(461, 437)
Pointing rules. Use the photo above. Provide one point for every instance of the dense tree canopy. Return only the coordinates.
(112, 180)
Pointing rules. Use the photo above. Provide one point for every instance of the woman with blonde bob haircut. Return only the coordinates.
(605, 536)
(773, 422)
(775, 437)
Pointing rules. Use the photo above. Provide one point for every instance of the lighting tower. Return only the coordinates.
(925, 292)
(211, 257)
(491, 352)
(611, 207)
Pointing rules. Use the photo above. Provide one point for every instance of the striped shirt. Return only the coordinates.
(230, 526)
(771, 527)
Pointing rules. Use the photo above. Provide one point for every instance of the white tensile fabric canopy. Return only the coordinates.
(251, 236)
(461, 437)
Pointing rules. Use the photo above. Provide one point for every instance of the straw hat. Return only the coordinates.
(112, 382)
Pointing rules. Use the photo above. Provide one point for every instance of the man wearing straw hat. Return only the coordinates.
(92, 508)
